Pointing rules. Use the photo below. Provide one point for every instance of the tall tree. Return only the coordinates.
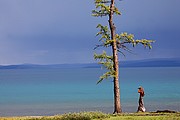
(117, 42)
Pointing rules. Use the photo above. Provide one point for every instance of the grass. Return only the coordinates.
(146, 116)
(103, 116)
(69, 116)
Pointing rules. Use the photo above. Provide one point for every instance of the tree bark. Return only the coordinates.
(117, 104)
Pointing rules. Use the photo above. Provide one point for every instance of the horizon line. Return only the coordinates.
(151, 59)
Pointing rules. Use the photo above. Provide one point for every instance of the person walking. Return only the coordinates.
(141, 107)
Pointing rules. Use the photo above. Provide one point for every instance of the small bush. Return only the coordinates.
(84, 116)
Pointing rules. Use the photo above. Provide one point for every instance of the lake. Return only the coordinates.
(57, 91)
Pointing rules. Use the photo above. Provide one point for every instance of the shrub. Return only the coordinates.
(84, 116)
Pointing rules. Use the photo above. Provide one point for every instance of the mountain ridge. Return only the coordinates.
(160, 62)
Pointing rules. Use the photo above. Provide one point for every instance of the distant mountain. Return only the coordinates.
(169, 62)
(35, 66)
(163, 62)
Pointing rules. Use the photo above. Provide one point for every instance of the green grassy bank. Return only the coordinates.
(102, 116)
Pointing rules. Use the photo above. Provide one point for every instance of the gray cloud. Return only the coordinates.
(42, 31)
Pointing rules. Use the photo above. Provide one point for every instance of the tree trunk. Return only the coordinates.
(117, 104)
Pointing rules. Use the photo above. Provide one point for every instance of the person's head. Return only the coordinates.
(141, 91)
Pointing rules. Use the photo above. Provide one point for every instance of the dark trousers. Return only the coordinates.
(141, 107)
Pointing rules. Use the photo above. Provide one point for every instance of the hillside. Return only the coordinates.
(136, 63)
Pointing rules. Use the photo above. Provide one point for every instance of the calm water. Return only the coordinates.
(57, 91)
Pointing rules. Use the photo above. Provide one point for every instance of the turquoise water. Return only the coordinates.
(57, 91)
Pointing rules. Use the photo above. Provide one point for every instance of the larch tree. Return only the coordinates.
(117, 42)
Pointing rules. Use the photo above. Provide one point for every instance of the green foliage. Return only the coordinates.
(104, 32)
(103, 57)
(103, 9)
(125, 38)
(84, 116)
(102, 1)
(72, 116)
(107, 62)
(106, 75)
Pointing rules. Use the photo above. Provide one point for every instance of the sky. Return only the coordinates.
(63, 31)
